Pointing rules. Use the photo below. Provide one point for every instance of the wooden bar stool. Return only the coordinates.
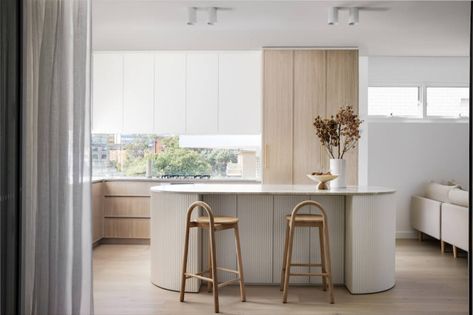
(213, 224)
(307, 220)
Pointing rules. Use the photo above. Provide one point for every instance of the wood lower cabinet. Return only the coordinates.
(97, 212)
(297, 86)
(121, 211)
(127, 228)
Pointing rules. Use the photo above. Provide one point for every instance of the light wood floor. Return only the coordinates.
(427, 283)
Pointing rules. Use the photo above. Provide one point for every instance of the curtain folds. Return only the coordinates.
(57, 242)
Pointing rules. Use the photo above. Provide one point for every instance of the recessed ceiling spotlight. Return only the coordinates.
(353, 16)
(191, 15)
(332, 16)
(212, 16)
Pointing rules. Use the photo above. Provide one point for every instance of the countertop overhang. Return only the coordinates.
(269, 189)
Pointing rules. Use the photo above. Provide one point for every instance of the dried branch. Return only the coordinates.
(338, 134)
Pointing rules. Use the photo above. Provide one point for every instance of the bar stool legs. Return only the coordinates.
(283, 269)
(212, 224)
(240, 264)
(320, 222)
(288, 259)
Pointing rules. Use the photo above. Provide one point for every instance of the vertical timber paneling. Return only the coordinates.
(342, 89)
(278, 96)
(309, 101)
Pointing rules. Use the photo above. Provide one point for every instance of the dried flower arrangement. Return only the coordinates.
(339, 134)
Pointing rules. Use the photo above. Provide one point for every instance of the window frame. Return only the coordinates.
(423, 101)
(443, 118)
(395, 117)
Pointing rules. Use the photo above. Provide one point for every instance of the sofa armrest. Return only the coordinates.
(455, 225)
(425, 215)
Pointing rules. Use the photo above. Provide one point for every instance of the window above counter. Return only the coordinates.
(180, 92)
(202, 157)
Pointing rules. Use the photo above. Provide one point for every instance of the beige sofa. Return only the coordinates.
(442, 213)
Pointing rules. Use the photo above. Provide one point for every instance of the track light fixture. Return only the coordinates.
(191, 15)
(212, 16)
(211, 11)
(332, 16)
(353, 16)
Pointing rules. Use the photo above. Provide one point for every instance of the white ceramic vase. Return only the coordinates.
(338, 167)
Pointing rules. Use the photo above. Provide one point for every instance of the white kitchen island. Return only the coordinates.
(361, 223)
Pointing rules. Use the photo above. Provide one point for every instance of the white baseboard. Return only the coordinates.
(410, 234)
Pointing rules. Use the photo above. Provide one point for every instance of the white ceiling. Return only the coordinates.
(390, 28)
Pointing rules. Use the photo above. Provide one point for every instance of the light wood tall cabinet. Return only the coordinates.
(342, 89)
(299, 84)
(278, 97)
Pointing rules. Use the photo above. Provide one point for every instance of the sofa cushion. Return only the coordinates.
(458, 197)
(438, 191)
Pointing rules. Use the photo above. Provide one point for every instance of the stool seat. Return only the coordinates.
(307, 218)
(217, 220)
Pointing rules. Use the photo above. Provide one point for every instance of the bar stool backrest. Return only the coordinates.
(308, 203)
(203, 205)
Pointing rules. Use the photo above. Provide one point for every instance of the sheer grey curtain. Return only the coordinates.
(57, 265)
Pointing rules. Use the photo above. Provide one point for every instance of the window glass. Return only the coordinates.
(394, 101)
(448, 101)
(217, 156)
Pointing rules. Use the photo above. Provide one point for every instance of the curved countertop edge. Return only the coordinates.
(176, 181)
(269, 189)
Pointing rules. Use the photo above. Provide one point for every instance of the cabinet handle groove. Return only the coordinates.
(266, 156)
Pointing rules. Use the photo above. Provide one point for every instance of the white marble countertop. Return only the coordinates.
(173, 180)
(269, 189)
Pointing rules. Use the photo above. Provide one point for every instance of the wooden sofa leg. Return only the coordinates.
(420, 236)
(442, 247)
(455, 251)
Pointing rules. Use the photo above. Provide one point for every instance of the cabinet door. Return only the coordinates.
(138, 93)
(309, 101)
(107, 93)
(202, 93)
(170, 93)
(239, 91)
(278, 116)
(342, 89)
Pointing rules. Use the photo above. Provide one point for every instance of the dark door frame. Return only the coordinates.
(10, 161)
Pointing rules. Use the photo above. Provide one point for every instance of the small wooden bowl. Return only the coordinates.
(322, 180)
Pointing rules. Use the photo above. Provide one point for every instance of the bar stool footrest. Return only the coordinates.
(320, 274)
(194, 275)
(224, 284)
(305, 265)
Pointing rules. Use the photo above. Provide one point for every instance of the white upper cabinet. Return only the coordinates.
(138, 93)
(107, 93)
(202, 93)
(170, 93)
(239, 91)
(199, 92)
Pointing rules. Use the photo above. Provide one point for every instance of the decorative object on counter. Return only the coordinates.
(338, 135)
(322, 179)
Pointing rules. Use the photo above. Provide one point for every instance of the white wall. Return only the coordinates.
(407, 154)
